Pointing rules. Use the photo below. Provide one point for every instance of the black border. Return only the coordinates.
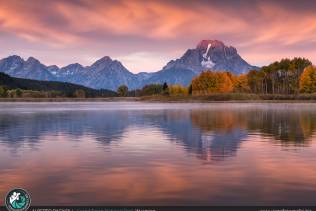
(167, 208)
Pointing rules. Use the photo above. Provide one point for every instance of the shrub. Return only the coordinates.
(178, 90)
(3, 91)
(152, 89)
(80, 93)
(122, 91)
(18, 92)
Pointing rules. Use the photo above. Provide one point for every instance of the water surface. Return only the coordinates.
(131, 153)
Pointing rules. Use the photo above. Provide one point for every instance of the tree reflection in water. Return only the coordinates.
(213, 134)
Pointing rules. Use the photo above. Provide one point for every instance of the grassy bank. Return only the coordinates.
(68, 99)
(242, 97)
(231, 97)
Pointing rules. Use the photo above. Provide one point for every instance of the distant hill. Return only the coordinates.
(36, 85)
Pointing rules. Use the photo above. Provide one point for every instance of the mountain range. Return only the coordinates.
(106, 73)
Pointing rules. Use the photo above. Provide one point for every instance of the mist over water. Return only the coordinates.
(159, 154)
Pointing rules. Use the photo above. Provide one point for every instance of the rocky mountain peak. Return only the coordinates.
(12, 61)
(32, 61)
(204, 44)
(103, 60)
(14, 57)
(53, 67)
(210, 55)
(73, 66)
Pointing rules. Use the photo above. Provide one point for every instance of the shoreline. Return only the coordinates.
(159, 99)
(105, 99)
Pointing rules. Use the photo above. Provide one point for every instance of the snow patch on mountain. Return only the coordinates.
(206, 52)
(207, 62)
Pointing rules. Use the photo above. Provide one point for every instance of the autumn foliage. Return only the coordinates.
(241, 84)
(178, 90)
(212, 82)
(280, 77)
(308, 80)
(284, 77)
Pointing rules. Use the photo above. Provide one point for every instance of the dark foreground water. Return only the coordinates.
(159, 154)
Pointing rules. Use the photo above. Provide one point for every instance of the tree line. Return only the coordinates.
(154, 90)
(285, 77)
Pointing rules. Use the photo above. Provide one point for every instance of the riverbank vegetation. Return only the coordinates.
(284, 80)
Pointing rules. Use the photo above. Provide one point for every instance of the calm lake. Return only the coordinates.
(133, 153)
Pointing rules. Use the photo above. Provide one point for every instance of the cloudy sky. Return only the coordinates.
(145, 35)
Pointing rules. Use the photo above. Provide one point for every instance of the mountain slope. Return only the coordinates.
(171, 76)
(109, 73)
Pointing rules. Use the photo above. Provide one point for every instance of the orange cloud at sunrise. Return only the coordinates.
(145, 35)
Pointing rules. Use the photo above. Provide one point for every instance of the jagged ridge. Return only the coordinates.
(109, 74)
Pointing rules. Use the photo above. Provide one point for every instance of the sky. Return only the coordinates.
(145, 35)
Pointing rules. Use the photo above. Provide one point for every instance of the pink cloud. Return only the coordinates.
(262, 31)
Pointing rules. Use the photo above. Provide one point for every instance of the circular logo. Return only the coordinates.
(17, 200)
